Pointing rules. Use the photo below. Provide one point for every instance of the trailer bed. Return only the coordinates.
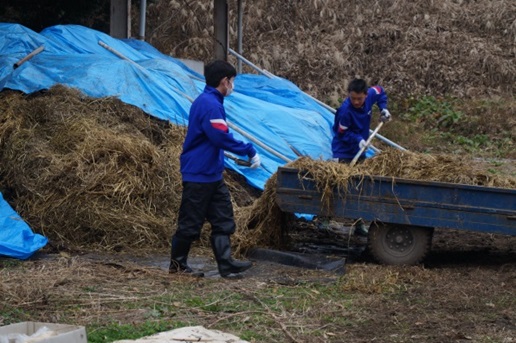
(398, 205)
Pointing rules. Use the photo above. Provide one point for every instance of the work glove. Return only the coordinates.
(255, 161)
(385, 115)
(362, 144)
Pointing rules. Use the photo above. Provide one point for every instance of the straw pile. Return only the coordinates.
(441, 47)
(94, 173)
(88, 171)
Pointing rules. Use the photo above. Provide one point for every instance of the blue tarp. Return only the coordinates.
(16, 237)
(272, 111)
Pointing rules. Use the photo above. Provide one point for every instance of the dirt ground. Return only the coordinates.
(464, 291)
(451, 249)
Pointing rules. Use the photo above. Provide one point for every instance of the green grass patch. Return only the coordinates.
(6, 263)
(12, 315)
(434, 113)
(447, 124)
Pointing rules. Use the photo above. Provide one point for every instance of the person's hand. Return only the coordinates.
(385, 115)
(362, 144)
(255, 161)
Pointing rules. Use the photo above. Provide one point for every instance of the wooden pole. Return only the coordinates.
(29, 56)
(221, 29)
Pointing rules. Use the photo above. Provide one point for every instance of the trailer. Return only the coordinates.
(403, 213)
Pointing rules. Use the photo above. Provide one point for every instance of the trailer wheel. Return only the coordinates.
(399, 244)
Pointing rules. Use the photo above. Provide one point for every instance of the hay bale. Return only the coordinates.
(90, 172)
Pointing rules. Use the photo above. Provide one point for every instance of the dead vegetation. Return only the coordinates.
(467, 299)
(458, 48)
(89, 171)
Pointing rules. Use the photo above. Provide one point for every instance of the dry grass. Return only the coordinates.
(459, 48)
(66, 283)
(435, 167)
(403, 303)
(90, 171)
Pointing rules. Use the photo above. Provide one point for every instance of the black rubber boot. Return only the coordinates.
(221, 246)
(179, 256)
(361, 229)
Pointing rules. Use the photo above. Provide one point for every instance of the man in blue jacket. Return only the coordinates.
(353, 119)
(205, 195)
(352, 124)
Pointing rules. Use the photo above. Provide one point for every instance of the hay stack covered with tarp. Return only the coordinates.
(94, 172)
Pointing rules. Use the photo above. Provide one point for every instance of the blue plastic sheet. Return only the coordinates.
(16, 238)
(274, 114)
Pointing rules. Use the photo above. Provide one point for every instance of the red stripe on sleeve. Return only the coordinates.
(219, 125)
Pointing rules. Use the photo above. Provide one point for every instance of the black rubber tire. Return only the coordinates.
(399, 244)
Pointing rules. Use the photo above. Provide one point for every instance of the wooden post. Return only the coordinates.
(143, 16)
(120, 19)
(221, 28)
(240, 34)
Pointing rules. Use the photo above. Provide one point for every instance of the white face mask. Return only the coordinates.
(230, 89)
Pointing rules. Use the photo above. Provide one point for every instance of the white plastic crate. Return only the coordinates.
(36, 332)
